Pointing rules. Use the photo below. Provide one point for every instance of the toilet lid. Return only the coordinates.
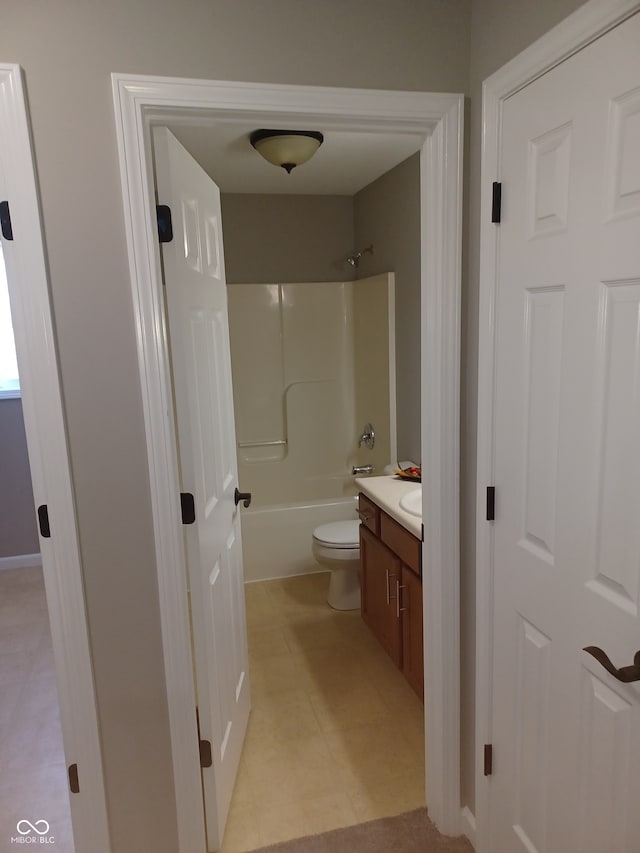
(342, 534)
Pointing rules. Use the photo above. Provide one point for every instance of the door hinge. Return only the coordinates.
(187, 507)
(496, 202)
(422, 532)
(206, 756)
(74, 784)
(165, 225)
(5, 220)
(43, 522)
(491, 503)
(488, 759)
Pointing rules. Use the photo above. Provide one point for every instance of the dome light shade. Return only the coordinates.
(286, 148)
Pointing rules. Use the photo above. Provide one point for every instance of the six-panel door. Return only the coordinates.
(566, 733)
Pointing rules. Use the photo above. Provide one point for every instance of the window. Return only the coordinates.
(9, 381)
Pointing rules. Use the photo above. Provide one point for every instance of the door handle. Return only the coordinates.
(626, 674)
(245, 497)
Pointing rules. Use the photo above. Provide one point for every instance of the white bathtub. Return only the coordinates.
(276, 540)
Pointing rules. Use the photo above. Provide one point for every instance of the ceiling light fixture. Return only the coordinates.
(286, 148)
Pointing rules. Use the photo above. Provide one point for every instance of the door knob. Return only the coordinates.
(245, 497)
(626, 674)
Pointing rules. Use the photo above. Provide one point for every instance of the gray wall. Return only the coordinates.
(287, 238)
(18, 530)
(500, 29)
(387, 215)
(68, 50)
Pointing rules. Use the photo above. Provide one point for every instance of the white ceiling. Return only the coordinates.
(344, 164)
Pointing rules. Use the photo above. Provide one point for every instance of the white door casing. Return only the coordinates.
(566, 551)
(196, 296)
(49, 465)
(139, 100)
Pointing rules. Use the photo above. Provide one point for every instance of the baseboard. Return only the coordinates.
(469, 825)
(21, 561)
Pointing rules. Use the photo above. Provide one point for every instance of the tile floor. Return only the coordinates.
(33, 784)
(336, 734)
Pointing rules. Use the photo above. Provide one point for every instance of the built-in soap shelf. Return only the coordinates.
(280, 441)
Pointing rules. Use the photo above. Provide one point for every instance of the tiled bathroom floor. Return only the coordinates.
(33, 783)
(336, 734)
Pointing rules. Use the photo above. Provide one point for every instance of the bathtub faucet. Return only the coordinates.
(368, 437)
(362, 469)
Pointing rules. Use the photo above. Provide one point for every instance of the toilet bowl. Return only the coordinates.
(337, 547)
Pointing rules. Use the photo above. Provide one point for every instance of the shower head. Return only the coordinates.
(354, 259)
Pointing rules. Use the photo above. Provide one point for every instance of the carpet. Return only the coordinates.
(411, 832)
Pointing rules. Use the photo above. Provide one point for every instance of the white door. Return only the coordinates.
(566, 733)
(196, 299)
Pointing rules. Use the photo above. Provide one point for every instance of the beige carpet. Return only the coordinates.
(411, 832)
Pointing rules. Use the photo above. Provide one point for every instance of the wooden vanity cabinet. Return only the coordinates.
(412, 647)
(391, 581)
(380, 576)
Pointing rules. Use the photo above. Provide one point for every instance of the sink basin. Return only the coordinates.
(412, 502)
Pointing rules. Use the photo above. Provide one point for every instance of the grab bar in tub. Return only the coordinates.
(262, 443)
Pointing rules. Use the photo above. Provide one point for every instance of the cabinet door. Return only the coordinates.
(380, 576)
(412, 648)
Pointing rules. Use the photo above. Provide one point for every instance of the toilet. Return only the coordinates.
(337, 547)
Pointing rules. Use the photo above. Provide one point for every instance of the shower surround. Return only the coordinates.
(312, 363)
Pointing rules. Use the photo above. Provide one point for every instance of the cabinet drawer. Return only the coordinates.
(401, 542)
(369, 514)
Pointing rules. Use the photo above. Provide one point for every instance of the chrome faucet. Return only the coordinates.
(368, 437)
(362, 469)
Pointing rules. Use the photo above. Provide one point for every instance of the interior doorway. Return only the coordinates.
(565, 520)
(33, 776)
(62, 598)
(141, 102)
(323, 692)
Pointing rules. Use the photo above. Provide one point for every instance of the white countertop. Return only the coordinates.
(386, 492)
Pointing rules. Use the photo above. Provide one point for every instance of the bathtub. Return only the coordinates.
(276, 540)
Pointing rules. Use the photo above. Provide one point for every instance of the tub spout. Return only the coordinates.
(362, 469)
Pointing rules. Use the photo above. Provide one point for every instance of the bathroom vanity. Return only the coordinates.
(391, 574)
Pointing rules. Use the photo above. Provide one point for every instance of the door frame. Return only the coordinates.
(45, 428)
(584, 26)
(438, 118)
